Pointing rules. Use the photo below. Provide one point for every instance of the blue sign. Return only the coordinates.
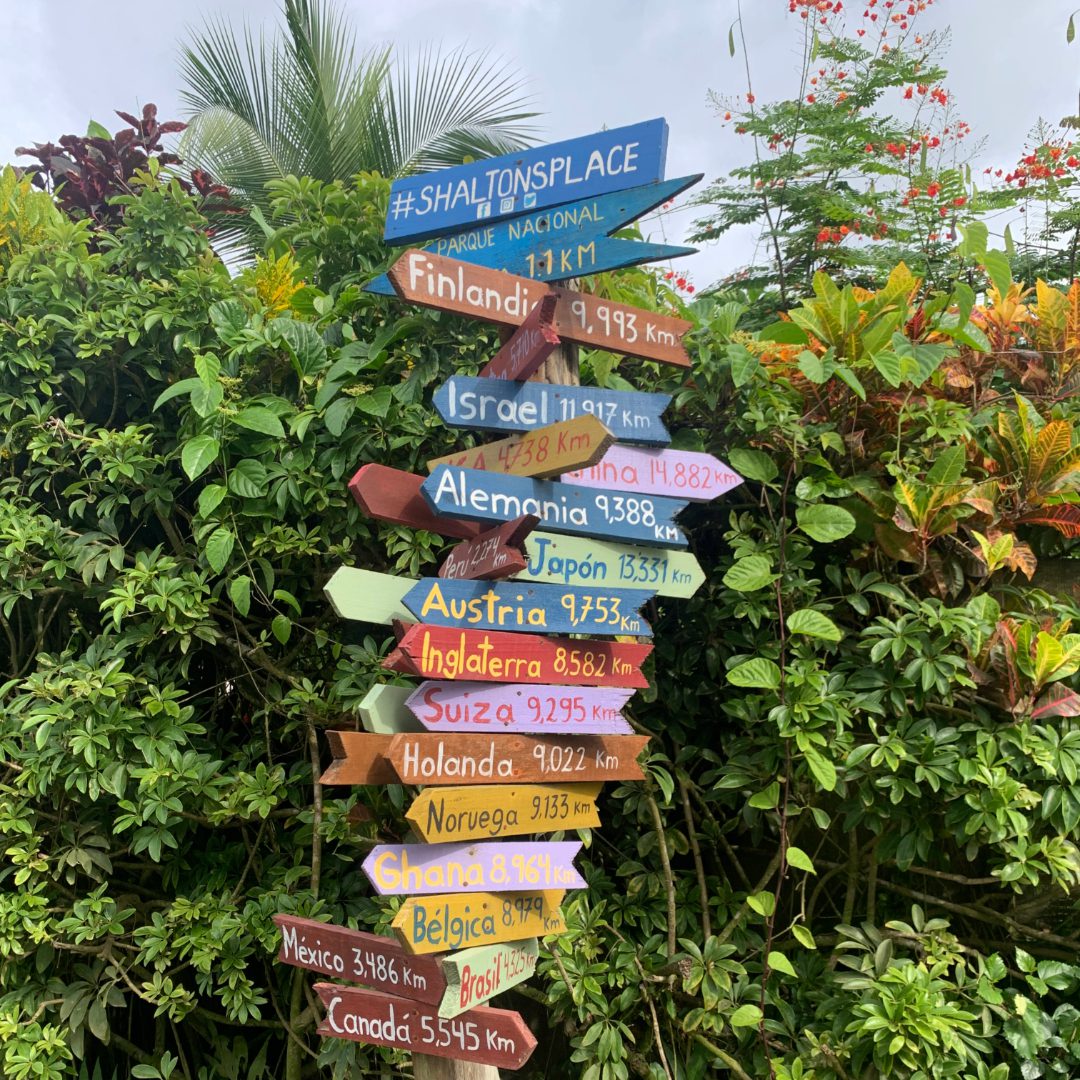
(448, 200)
(538, 609)
(566, 241)
(503, 405)
(477, 495)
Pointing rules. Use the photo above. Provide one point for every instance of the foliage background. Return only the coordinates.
(855, 854)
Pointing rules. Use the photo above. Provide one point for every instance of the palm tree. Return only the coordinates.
(309, 103)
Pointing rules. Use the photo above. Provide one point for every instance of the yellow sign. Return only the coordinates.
(483, 812)
(450, 921)
(543, 452)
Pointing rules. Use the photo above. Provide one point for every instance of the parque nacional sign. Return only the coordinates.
(527, 643)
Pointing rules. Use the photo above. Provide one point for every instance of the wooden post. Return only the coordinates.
(560, 367)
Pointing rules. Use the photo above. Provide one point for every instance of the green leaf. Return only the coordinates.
(800, 860)
(753, 465)
(846, 375)
(210, 498)
(777, 961)
(94, 130)
(731, 39)
(784, 333)
(338, 415)
(306, 346)
(744, 364)
(823, 770)
(199, 454)
(1070, 30)
(377, 403)
(749, 573)
(247, 478)
(803, 936)
(948, 468)
(824, 522)
(764, 903)
(745, 1016)
(813, 624)
(813, 367)
(973, 246)
(184, 386)
(997, 268)
(767, 799)
(755, 674)
(206, 398)
(890, 367)
(281, 628)
(219, 547)
(240, 593)
(257, 418)
(1010, 243)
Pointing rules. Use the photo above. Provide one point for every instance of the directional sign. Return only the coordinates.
(454, 758)
(528, 346)
(563, 508)
(384, 710)
(680, 473)
(359, 758)
(506, 299)
(495, 553)
(498, 405)
(393, 495)
(513, 605)
(539, 452)
(485, 813)
(437, 652)
(474, 976)
(564, 242)
(487, 1036)
(366, 596)
(539, 710)
(375, 961)
(430, 204)
(521, 866)
(451, 920)
(571, 560)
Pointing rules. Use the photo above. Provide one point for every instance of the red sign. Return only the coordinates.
(394, 495)
(495, 553)
(440, 652)
(488, 1036)
(528, 347)
(378, 962)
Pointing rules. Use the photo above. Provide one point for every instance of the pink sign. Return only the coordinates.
(682, 473)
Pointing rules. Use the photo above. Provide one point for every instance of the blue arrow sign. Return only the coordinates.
(502, 405)
(563, 242)
(431, 204)
(563, 508)
(517, 605)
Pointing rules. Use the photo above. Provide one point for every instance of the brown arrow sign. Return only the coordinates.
(528, 346)
(359, 758)
(495, 553)
(394, 495)
(507, 299)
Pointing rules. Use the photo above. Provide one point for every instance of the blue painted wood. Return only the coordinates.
(564, 241)
(477, 495)
(431, 204)
(502, 405)
(534, 608)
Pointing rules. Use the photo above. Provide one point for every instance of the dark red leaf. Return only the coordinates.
(1057, 701)
(1063, 517)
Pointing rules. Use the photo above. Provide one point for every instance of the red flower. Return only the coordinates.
(933, 189)
(681, 282)
(689, 288)
(869, 148)
(908, 93)
(727, 116)
(959, 200)
(750, 98)
(823, 236)
(669, 275)
(1071, 161)
(811, 98)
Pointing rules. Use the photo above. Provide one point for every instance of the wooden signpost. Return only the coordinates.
(566, 241)
(366, 596)
(527, 709)
(515, 605)
(385, 710)
(456, 757)
(474, 976)
(478, 812)
(572, 560)
(432, 204)
(359, 758)
(527, 347)
(436, 652)
(427, 924)
(490, 1036)
(541, 453)
(499, 405)
(494, 553)
(682, 474)
(394, 495)
(563, 508)
(507, 299)
(519, 866)
(379, 962)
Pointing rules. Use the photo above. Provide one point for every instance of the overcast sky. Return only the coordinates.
(588, 63)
